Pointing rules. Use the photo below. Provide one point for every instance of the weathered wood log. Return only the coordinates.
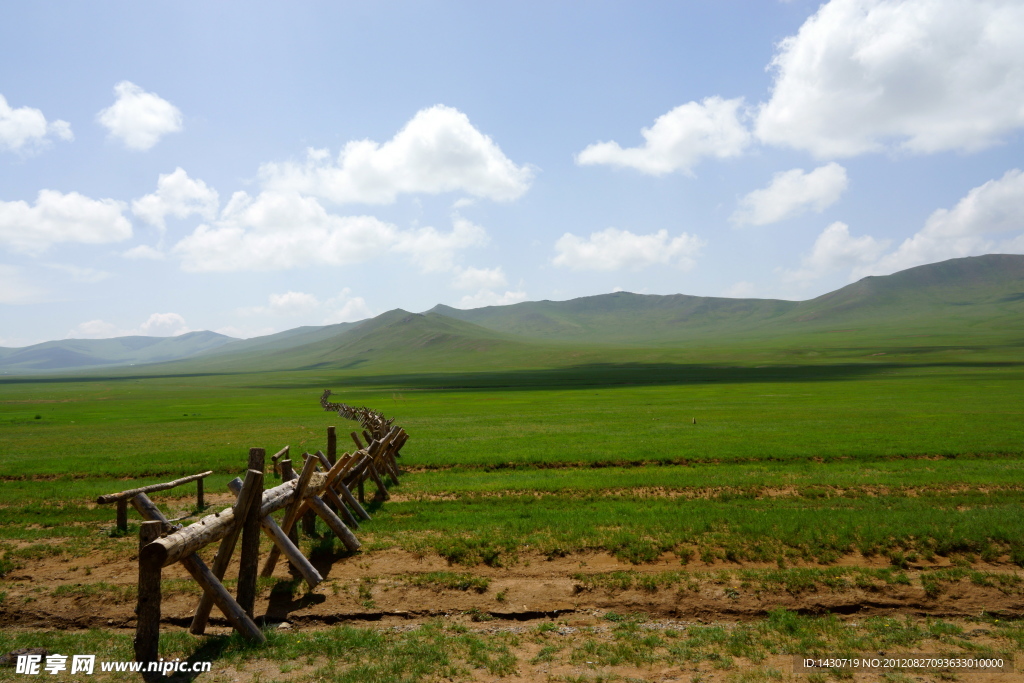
(231, 609)
(293, 511)
(347, 496)
(355, 439)
(332, 445)
(336, 525)
(198, 569)
(246, 499)
(274, 465)
(151, 512)
(249, 560)
(200, 503)
(288, 549)
(147, 608)
(113, 497)
(122, 514)
(382, 491)
(333, 501)
(308, 517)
(214, 527)
(288, 474)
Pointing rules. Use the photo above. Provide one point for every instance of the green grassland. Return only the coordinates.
(885, 418)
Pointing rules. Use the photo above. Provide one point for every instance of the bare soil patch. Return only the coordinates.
(97, 591)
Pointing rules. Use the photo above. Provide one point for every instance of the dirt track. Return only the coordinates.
(376, 587)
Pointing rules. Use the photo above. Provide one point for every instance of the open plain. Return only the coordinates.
(698, 509)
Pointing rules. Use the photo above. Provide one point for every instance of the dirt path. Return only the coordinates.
(389, 587)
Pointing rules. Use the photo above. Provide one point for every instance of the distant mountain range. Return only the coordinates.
(973, 298)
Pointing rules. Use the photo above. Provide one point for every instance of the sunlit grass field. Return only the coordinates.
(731, 461)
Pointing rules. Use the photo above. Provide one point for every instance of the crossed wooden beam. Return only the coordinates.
(322, 488)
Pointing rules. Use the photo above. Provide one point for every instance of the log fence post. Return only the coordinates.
(147, 609)
(122, 515)
(246, 497)
(248, 570)
(288, 549)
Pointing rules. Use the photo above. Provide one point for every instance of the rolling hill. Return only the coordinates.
(975, 301)
(83, 353)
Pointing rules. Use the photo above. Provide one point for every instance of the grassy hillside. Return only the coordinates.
(983, 294)
(79, 353)
(969, 306)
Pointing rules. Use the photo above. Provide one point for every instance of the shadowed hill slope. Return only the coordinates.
(983, 292)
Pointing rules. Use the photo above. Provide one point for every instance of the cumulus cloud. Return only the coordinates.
(437, 151)
(16, 287)
(479, 278)
(968, 229)
(679, 139)
(434, 251)
(179, 196)
(613, 249)
(791, 193)
(345, 308)
(921, 75)
(56, 217)
(139, 118)
(144, 251)
(487, 297)
(342, 307)
(834, 250)
(156, 325)
(281, 230)
(26, 128)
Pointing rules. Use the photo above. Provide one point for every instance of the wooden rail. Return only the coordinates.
(124, 497)
(323, 488)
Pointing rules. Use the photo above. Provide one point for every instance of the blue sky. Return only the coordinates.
(249, 168)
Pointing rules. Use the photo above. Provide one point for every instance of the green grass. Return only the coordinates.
(798, 451)
(435, 652)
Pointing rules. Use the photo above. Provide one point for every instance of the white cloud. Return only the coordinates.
(26, 128)
(144, 251)
(179, 196)
(968, 229)
(740, 290)
(922, 75)
(293, 303)
(342, 307)
(94, 329)
(479, 278)
(434, 251)
(164, 325)
(156, 325)
(277, 231)
(139, 118)
(836, 250)
(79, 274)
(614, 249)
(679, 139)
(17, 288)
(281, 230)
(437, 151)
(487, 297)
(345, 308)
(791, 193)
(58, 217)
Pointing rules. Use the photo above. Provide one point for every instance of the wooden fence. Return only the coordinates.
(322, 488)
(125, 497)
